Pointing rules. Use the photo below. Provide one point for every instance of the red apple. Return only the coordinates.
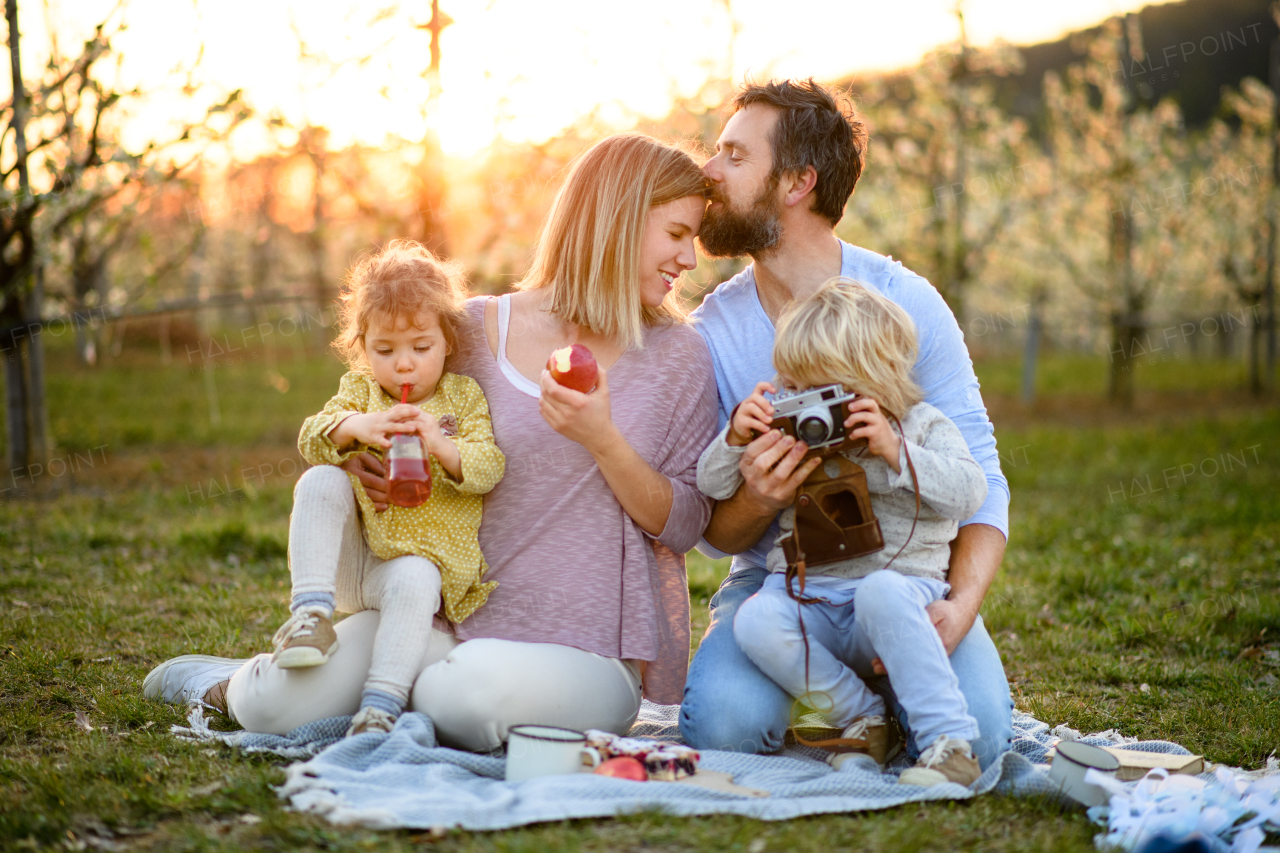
(573, 367)
(623, 767)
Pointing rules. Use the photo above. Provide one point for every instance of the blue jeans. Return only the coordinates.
(730, 704)
(881, 615)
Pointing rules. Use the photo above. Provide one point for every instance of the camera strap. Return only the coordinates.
(795, 573)
(793, 549)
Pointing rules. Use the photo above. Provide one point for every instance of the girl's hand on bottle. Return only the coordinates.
(374, 429)
(428, 428)
(871, 424)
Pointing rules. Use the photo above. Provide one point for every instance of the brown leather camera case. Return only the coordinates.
(834, 518)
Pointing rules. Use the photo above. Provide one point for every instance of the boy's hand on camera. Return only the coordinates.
(752, 417)
(867, 421)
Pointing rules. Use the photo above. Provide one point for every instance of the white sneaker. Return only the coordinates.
(371, 719)
(187, 679)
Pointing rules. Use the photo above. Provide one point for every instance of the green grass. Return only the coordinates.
(1074, 374)
(204, 397)
(167, 546)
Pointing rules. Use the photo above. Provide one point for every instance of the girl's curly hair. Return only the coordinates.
(405, 279)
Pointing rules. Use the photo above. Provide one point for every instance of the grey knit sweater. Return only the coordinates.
(952, 488)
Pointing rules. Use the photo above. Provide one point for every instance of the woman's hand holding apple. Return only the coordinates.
(584, 418)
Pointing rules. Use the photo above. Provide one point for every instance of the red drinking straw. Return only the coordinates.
(404, 392)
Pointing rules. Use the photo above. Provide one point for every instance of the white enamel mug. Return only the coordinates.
(1070, 762)
(534, 751)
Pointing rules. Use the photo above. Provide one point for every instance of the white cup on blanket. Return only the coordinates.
(534, 751)
(1071, 760)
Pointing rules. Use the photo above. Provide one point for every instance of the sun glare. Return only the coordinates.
(509, 69)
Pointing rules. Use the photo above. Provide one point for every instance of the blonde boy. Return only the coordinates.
(850, 334)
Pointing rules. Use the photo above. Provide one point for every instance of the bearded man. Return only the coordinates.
(785, 166)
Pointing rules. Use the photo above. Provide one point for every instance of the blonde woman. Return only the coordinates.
(860, 609)
(585, 534)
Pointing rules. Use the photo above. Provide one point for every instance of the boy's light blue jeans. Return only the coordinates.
(881, 615)
(730, 704)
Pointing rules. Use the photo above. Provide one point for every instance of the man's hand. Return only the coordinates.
(953, 621)
(372, 475)
(772, 472)
(976, 553)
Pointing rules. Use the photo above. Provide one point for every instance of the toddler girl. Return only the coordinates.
(399, 312)
(820, 652)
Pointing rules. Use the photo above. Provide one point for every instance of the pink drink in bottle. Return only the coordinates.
(410, 474)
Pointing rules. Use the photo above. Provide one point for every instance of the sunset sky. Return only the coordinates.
(523, 70)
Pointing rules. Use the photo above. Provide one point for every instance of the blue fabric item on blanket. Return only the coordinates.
(405, 780)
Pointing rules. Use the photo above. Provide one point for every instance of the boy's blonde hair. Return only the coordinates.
(588, 254)
(851, 334)
(404, 280)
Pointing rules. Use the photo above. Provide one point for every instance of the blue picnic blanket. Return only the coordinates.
(405, 780)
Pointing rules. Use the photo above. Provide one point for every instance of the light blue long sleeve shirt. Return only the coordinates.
(740, 336)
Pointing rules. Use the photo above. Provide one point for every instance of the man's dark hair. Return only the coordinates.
(816, 127)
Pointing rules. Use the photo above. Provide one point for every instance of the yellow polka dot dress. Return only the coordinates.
(444, 529)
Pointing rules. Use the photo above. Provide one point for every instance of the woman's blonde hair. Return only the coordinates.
(851, 334)
(589, 251)
(404, 280)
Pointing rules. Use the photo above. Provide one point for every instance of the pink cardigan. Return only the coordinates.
(571, 566)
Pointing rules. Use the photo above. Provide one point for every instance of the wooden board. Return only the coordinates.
(1134, 763)
(717, 780)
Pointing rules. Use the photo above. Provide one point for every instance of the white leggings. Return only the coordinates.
(328, 553)
(473, 691)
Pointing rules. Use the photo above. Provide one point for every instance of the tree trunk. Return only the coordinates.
(166, 346)
(18, 448)
(430, 229)
(14, 317)
(1254, 355)
(37, 408)
(211, 394)
(1030, 355)
(1120, 386)
(15, 376)
(1126, 324)
(1273, 216)
(84, 282)
(315, 240)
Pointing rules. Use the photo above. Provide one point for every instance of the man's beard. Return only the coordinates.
(727, 233)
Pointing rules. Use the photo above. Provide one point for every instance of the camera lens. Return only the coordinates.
(813, 426)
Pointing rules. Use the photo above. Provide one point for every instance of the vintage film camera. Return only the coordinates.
(834, 519)
(814, 416)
